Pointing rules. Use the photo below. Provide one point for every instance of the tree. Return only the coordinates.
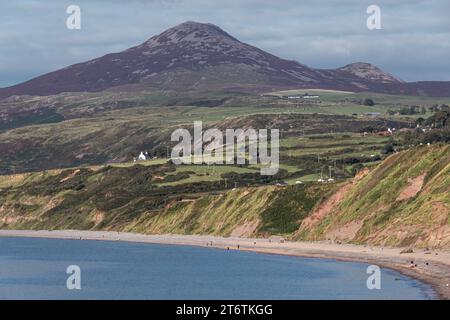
(391, 112)
(388, 148)
(420, 121)
(368, 102)
(423, 110)
(439, 120)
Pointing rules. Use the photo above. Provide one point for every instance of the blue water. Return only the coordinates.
(36, 269)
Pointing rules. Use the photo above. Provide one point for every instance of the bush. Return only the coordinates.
(368, 102)
(409, 110)
(388, 148)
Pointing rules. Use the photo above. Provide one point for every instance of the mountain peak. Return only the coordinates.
(370, 72)
(190, 32)
(191, 26)
(198, 46)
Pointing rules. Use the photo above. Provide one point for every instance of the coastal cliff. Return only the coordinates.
(402, 201)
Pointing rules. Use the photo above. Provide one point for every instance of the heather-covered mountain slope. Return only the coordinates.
(201, 56)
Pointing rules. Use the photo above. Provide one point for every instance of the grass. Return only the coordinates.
(306, 178)
(199, 173)
(150, 162)
(290, 207)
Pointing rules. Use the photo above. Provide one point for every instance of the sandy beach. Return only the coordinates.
(430, 266)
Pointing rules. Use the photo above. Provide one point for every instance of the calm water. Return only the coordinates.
(36, 269)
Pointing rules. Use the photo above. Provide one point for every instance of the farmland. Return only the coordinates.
(93, 129)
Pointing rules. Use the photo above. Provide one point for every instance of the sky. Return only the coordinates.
(413, 42)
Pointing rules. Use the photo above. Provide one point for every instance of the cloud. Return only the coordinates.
(413, 43)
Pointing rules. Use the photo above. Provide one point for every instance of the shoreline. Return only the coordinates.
(431, 267)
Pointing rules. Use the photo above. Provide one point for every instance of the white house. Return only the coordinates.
(307, 96)
(142, 157)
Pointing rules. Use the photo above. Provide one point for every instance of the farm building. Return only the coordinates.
(142, 157)
(372, 114)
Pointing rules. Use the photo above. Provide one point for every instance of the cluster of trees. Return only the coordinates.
(436, 108)
(432, 136)
(440, 119)
(411, 110)
(439, 129)
(373, 128)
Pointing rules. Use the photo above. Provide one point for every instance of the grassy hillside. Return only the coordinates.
(404, 201)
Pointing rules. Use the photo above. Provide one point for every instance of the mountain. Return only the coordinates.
(198, 56)
(369, 72)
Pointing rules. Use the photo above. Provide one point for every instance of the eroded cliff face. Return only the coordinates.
(404, 201)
